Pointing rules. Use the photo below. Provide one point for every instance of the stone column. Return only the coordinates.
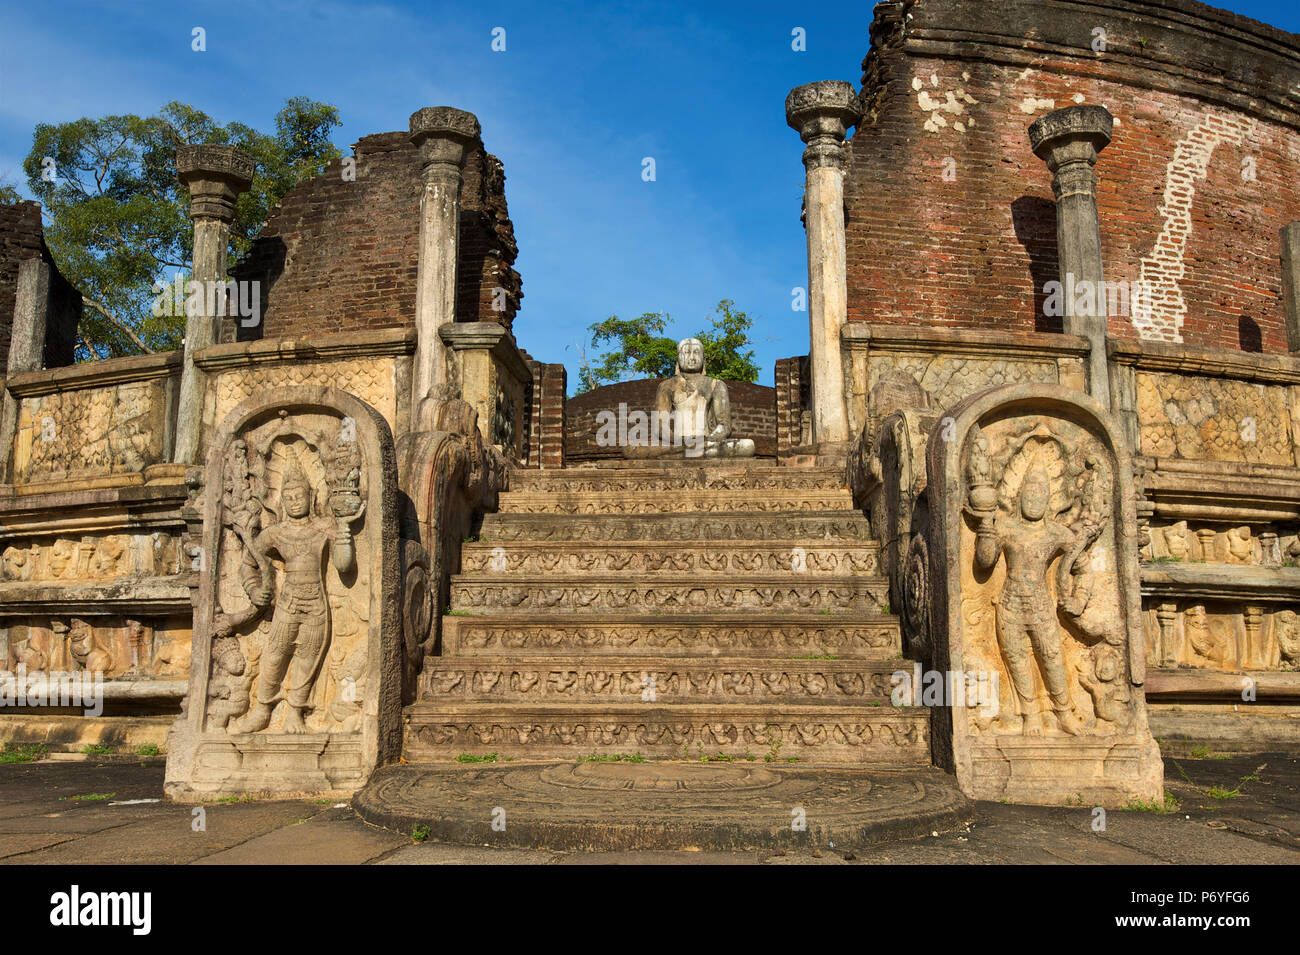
(1290, 237)
(822, 114)
(26, 346)
(443, 136)
(1068, 140)
(215, 176)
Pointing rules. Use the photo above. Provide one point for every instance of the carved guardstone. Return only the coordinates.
(1032, 555)
(295, 677)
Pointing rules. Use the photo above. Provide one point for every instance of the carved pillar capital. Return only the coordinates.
(443, 134)
(1068, 140)
(215, 177)
(822, 114)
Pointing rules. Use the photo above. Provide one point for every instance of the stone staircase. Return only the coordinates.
(679, 612)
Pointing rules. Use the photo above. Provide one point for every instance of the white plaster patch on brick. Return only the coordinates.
(1025, 74)
(1031, 105)
(965, 77)
(954, 103)
(934, 79)
(1159, 310)
(1077, 97)
(916, 82)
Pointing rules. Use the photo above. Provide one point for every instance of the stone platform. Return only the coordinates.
(662, 805)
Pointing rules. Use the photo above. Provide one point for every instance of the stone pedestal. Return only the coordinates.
(443, 136)
(491, 376)
(215, 176)
(1068, 140)
(296, 670)
(822, 113)
(1033, 576)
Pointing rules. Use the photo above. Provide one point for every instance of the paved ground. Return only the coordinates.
(108, 810)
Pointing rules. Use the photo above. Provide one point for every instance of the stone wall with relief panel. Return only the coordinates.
(71, 434)
(1222, 419)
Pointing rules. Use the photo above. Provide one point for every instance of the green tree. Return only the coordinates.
(117, 218)
(642, 350)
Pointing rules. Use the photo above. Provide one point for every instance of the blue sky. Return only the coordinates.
(581, 94)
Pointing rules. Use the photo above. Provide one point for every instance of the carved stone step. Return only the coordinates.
(816, 558)
(731, 680)
(681, 477)
(675, 502)
(836, 524)
(696, 593)
(884, 736)
(754, 635)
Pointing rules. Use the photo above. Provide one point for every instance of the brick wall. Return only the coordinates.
(951, 220)
(793, 398)
(23, 237)
(342, 256)
(546, 402)
(753, 415)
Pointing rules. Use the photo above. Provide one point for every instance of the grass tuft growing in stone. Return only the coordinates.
(23, 752)
(98, 749)
(595, 757)
(485, 758)
(1170, 804)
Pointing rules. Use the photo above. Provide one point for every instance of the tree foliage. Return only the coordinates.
(641, 350)
(117, 218)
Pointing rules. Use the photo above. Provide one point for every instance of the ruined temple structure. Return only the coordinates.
(1024, 516)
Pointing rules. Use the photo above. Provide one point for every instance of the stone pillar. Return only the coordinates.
(443, 136)
(1068, 140)
(822, 114)
(1290, 237)
(26, 346)
(215, 176)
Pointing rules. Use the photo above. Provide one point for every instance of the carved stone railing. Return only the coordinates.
(101, 423)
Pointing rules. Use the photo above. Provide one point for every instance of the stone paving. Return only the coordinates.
(107, 810)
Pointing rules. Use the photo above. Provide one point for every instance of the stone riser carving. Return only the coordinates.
(812, 734)
(514, 502)
(698, 636)
(665, 594)
(679, 479)
(1269, 545)
(687, 556)
(92, 557)
(658, 680)
(1212, 634)
(841, 524)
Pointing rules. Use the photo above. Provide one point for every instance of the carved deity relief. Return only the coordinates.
(1040, 559)
(291, 498)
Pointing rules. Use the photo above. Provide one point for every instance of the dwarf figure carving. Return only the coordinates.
(85, 650)
(299, 636)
